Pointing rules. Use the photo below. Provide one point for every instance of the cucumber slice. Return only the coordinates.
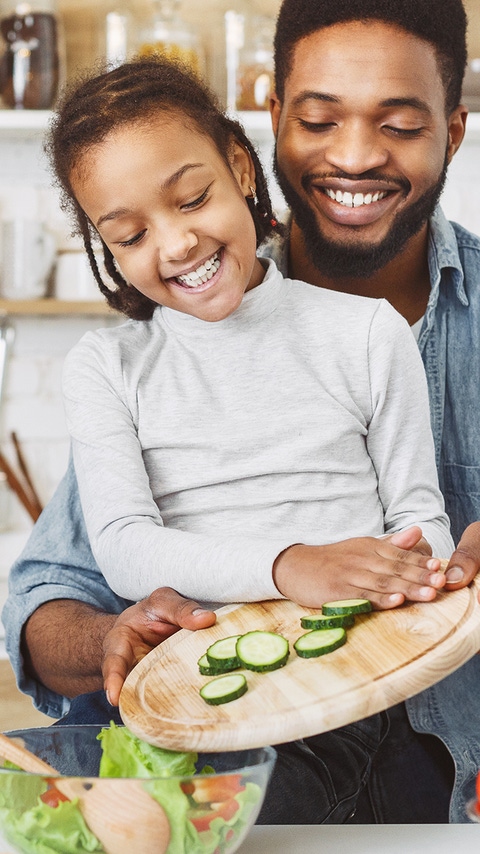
(262, 651)
(207, 669)
(319, 642)
(347, 606)
(222, 654)
(323, 621)
(224, 689)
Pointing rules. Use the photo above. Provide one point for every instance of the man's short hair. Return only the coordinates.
(442, 23)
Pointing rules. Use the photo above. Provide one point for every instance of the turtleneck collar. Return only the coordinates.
(257, 304)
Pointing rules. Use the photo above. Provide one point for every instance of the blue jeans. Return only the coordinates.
(411, 780)
(315, 781)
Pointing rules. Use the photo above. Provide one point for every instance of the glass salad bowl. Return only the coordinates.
(116, 794)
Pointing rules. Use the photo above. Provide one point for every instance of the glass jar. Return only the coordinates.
(255, 64)
(473, 806)
(116, 33)
(31, 66)
(168, 34)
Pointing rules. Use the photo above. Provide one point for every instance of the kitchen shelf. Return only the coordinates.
(49, 307)
(37, 120)
(24, 122)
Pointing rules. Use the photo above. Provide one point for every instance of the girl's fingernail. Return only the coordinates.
(454, 575)
(108, 698)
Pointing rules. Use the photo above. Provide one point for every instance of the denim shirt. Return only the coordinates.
(57, 562)
(450, 346)
(449, 343)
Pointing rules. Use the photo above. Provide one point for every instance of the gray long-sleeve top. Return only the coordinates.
(203, 450)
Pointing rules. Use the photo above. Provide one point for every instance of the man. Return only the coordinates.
(367, 117)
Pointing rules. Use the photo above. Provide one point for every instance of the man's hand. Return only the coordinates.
(142, 627)
(465, 561)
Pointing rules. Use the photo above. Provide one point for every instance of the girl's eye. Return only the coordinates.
(133, 240)
(196, 202)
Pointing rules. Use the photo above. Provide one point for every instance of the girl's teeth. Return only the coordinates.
(354, 201)
(202, 274)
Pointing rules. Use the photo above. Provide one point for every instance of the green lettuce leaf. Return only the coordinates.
(125, 755)
(44, 830)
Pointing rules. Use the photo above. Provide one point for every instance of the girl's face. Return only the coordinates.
(173, 214)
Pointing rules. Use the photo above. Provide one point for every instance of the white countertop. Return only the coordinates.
(363, 839)
(354, 839)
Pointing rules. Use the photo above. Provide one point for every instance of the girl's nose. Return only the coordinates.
(174, 243)
(356, 149)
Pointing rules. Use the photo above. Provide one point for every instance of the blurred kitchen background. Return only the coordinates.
(47, 296)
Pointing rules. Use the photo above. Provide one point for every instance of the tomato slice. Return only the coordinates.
(214, 789)
(52, 797)
(226, 811)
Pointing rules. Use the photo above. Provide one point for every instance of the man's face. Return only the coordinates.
(362, 143)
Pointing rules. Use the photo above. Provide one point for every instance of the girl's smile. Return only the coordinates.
(173, 213)
(202, 275)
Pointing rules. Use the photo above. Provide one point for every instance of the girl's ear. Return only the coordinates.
(242, 167)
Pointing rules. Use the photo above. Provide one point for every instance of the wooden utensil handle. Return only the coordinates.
(36, 503)
(18, 489)
(22, 757)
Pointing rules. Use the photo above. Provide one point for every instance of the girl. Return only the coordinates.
(242, 436)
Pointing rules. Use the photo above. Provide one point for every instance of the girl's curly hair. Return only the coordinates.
(100, 102)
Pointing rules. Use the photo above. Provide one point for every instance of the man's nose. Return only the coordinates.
(355, 148)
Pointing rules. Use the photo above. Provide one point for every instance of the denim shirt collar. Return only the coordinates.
(442, 256)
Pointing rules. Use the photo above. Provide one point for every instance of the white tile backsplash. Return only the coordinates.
(32, 404)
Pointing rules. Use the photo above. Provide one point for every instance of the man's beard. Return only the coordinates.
(358, 259)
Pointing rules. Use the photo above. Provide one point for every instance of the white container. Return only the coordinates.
(27, 256)
(74, 279)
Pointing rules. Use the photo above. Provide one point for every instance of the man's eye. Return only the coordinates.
(405, 132)
(196, 202)
(316, 127)
(133, 240)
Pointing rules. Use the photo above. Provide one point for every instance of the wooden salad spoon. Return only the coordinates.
(119, 812)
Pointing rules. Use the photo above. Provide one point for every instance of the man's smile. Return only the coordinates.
(350, 207)
(354, 201)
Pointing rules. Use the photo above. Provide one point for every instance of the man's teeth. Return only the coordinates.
(354, 201)
(201, 274)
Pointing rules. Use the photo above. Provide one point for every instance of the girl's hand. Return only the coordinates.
(142, 627)
(388, 571)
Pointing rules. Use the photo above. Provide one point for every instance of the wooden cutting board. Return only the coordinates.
(389, 656)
